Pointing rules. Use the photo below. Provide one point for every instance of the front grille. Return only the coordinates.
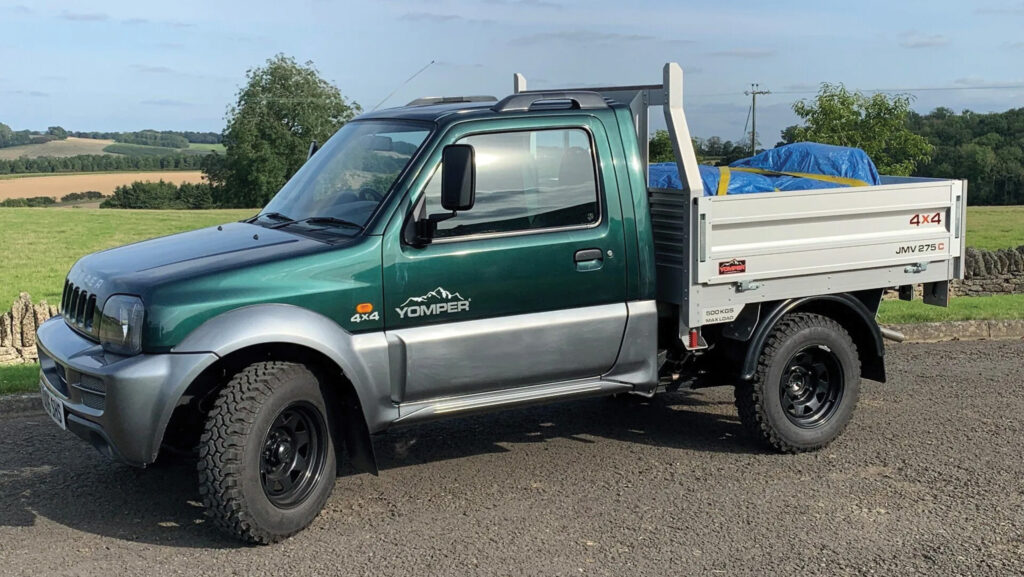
(78, 308)
(93, 401)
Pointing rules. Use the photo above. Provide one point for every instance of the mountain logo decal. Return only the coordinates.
(436, 302)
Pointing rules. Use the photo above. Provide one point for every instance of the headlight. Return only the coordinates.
(121, 325)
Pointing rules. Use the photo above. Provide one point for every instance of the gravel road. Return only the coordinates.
(928, 479)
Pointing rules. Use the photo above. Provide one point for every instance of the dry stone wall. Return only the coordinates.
(18, 330)
(992, 272)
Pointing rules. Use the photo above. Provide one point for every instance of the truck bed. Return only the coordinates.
(769, 246)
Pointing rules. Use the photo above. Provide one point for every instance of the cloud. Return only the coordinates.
(429, 17)
(526, 3)
(171, 23)
(747, 53)
(1017, 8)
(84, 16)
(21, 9)
(581, 37)
(1018, 45)
(970, 81)
(916, 40)
(434, 18)
(148, 69)
(166, 102)
(32, 93)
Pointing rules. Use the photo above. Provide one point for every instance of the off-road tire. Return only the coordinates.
(761, 402)
(233, 441)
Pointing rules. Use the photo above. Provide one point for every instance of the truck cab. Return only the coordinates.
(466, 254)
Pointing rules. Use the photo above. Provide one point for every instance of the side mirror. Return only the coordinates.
(458, 177)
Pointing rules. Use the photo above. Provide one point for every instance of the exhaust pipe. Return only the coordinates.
(893, 335)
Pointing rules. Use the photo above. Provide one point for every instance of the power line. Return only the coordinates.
(873, 90)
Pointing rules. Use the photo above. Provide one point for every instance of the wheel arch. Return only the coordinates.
(855, 312)
(355, 365)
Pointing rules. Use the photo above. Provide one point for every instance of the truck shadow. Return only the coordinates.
(73, 486)
(688, 421)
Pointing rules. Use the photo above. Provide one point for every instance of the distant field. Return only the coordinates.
(58, 185)
(219, 148)
(70, 147)
(41, 244)
(143, 150)
(995, 227)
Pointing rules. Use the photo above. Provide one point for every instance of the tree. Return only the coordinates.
(282, 108)
(877, 124)
(57, 132)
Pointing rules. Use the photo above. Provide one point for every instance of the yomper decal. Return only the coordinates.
(734, 266)
(435, 302)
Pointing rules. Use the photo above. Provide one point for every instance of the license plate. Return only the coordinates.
(53, 407)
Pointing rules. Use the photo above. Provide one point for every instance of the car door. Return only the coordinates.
(527, 287)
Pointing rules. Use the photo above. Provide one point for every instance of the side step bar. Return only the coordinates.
(419, 411)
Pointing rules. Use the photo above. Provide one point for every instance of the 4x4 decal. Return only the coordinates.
(435, 302)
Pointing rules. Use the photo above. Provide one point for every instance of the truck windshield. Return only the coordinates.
(347, 178)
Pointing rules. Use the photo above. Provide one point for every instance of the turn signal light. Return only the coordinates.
(364, 308)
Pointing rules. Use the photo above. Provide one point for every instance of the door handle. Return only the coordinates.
(588, 254)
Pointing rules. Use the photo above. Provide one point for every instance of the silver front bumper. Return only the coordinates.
(119, 404)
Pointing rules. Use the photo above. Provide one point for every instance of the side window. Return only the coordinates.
(525, 181)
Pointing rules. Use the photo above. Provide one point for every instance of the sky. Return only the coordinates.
(128, 65)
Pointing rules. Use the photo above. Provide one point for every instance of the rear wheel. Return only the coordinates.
(266, 458)
(806, 385)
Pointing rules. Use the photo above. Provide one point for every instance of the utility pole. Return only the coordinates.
(753, 93)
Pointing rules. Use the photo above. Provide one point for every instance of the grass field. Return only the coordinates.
(39, 245)
(19, 378)
(57, 185)
(995, 227)
(143, 150)
(218, 148)
(70, 147)
(960, 309)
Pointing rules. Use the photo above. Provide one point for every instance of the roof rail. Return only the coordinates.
(581, 99)
(429, 100)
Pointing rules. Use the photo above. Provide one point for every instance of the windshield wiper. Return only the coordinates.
(330, 220)
(271, 215)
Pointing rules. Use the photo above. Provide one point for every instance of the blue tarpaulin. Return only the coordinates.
(800, 166)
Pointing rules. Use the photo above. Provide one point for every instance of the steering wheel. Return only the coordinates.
(370, 194)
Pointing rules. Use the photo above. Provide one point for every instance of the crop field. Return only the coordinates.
(39, 245)
(995, 227)
(59, 148)
(218, 148)
(58, 185)
(144, 150)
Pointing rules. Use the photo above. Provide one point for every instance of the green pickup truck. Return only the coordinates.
(466, 254)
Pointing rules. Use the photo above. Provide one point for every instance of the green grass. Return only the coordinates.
(39, 245)
(998, 307)
(143, 150)
(218, 147)
(995, 227)
(19, 378)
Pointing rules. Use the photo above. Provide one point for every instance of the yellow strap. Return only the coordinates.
(822, 177)
(723, 181)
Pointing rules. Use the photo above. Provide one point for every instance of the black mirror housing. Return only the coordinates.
(458, 177)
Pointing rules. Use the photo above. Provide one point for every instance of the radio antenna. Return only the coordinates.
(407, 81)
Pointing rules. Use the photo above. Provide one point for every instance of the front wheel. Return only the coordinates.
(266, 458)
(806, 385)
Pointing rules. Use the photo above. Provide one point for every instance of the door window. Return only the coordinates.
(526, 180)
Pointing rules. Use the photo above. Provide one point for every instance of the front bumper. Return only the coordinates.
(119, 404)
